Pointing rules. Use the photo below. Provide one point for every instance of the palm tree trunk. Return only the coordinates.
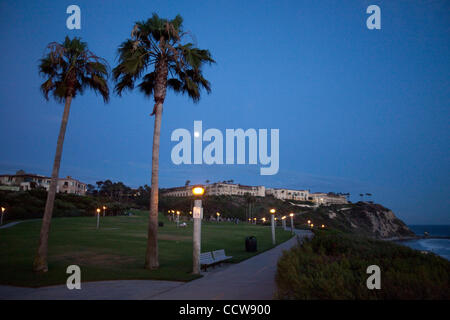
(151, 256)
(40, 261)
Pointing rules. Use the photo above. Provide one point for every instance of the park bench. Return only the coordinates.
(219, 255)
(206, 260)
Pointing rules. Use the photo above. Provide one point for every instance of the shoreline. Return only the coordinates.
(414, 238)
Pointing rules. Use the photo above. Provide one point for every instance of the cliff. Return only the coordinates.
(363, 218)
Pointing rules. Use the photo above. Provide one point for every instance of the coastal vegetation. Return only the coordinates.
(332, 265)
(30, 205)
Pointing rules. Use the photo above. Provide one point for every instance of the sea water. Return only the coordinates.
(438, 246)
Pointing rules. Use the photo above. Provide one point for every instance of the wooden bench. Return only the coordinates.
(219, 255)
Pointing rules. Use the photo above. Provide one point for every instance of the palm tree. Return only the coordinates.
(69, 68)
(156, 46)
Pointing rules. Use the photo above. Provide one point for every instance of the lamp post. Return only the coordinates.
(1, 219)
(283, 222)
(218, 216)
(104, 210)
(292, 222)
(178, 219)
(197, 214)
(254, 220)
(272, 220)
(98, 217)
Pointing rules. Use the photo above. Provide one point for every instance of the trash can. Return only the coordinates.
(250, 244)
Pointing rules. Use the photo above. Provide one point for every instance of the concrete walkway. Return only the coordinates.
(251, 279)
(12, 224)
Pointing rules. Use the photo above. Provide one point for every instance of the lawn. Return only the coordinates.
(117, 249)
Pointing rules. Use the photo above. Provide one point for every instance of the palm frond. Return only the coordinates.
(70, 68)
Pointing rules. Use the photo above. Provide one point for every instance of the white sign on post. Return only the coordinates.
(197, 213)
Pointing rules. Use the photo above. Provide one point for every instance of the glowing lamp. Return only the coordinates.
(272, 211)
(198, 191)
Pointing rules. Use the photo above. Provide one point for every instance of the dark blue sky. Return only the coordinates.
(358, 110)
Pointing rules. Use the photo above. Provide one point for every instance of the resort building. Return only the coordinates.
(320, 198)
(22, 181)
(288, 194)
(218, 189)
(223, 188)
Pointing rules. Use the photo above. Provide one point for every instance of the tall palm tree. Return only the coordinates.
(156, 46)
(69, 68)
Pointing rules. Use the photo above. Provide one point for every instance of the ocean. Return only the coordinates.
(438, 246)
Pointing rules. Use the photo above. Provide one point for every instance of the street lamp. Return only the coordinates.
(292, 222)
(309, 221)
(283, 222)
(1, 219)
(197, 214)
(323, 226)
(104, 209)
(98, 217)
(254, 220)
(178, 218)
(218, 216)
(311, 225)
(272, 220)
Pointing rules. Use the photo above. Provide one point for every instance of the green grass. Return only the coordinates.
(117, 249)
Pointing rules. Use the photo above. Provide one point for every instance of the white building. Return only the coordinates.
(222, 188)
(27, 181)
(320, 198)
(218, 189)
(288, 194)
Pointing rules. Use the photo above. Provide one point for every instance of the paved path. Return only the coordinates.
(11, 224)
(251, 279)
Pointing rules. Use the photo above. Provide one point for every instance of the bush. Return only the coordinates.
(31, 204)
(333, 266)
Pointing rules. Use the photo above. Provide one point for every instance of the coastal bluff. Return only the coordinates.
(363, 218)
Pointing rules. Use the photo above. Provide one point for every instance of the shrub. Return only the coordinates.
(333, 266)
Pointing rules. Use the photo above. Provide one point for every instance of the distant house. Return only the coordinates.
(27, 181)
(71, 185)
